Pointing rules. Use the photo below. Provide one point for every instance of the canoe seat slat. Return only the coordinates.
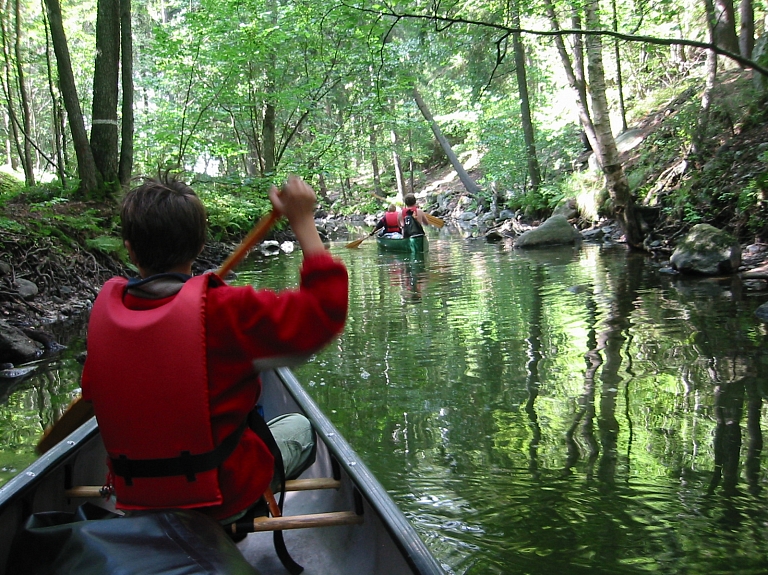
(331, 519)
(84, 491)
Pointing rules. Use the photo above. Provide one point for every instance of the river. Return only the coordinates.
(568, 409)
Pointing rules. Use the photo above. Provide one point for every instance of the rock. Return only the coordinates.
(593, 234)
(287, 247)
(707, 250)
(17, 372)
(554, 231)
(762, 313)
(5, 269)
(567, 208)
(269, 248)
(27, 289)
(15, 346)
(493, 236)
(506, 215)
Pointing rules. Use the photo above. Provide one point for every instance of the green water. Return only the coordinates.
(563, 410)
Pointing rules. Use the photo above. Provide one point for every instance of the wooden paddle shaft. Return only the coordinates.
(255, 236)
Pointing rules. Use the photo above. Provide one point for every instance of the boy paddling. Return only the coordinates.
(170, 357)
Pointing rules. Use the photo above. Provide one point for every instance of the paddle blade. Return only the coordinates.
(356, 243)
(78, 412)
(434, 220)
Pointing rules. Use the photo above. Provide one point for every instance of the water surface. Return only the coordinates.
(568, 409)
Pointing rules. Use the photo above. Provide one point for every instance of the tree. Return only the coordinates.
(26, 112)
(615, 178)
(725, 26)
(125, 167)
(104, 122)
(747, 29)
(469, 183)
(534, 173)
(90, 178)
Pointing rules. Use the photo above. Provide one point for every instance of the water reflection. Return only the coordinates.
(561, 409)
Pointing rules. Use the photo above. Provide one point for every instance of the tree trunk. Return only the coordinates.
(26, 114)
(268, 139)
(8, 90)
(10, 156)
(398, 165)
(725, 26)
(615, 178)
(469, 184)
(747, 29)
(268, 128)
(577, 83)
(104, 129)
(699, 136)
(57, 114)
(125, 167)
(374, 158)
(86, 166)
(619, 79)
(534, 172)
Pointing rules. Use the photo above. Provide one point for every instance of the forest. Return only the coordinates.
(366, 99)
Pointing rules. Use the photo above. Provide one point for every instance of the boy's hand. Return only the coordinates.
(296, 201)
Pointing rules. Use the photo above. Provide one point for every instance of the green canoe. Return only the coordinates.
(412, 245)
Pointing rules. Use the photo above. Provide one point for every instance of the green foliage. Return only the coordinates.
(10, 225)
(111, 244)
(234, 206)
(10, 186)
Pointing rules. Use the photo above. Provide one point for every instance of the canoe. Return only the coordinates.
(412, 245)
(337, 518)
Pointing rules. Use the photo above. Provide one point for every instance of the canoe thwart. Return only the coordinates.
(84, 491)
(330, 519)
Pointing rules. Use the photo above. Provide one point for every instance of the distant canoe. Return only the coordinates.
(412, 245)
(338, 518)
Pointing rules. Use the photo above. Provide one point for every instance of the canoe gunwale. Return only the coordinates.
(27, 479)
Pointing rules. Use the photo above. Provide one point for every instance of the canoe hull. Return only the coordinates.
(412, 245)
(384, 542)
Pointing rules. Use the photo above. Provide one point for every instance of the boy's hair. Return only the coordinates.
(410, 200)
(391, 208)
(165, 223)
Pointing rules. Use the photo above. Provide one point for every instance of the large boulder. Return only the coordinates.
(15, 346)
(707, 250)
(556, 231)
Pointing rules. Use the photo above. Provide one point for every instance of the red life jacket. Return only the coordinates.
(153, 409)
(391, 221)
(413, 209)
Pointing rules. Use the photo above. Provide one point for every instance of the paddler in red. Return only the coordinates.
(170, 357)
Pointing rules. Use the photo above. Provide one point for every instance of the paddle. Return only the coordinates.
(434, 220)
(80, 411)
(357, 243)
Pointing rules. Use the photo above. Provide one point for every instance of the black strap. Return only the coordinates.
(260, 427)
(185, 464)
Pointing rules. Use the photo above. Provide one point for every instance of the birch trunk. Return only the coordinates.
(615, 178)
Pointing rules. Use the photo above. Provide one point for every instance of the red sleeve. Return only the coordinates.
(264, 323)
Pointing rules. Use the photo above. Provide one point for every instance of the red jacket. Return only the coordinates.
(241, 324)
